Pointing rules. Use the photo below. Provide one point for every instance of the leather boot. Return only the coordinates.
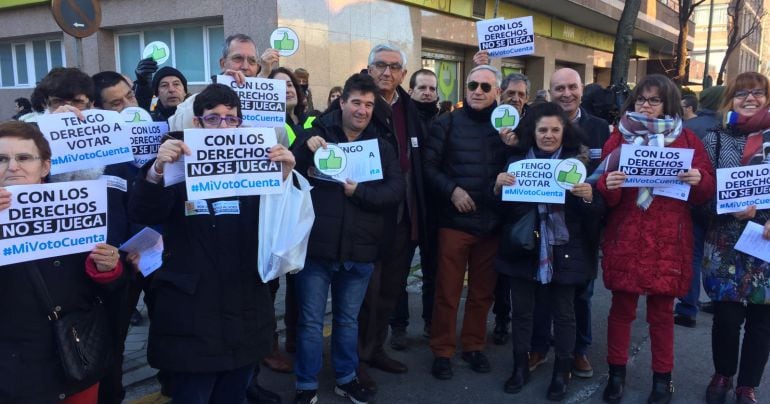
(520, 375)
(613, 393)
(662, 388)
(562, 369)
(275, 361)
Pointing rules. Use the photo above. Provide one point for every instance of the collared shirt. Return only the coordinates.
(577, 116)
(395, 98)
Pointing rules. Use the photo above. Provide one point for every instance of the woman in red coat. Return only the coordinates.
(648, 238)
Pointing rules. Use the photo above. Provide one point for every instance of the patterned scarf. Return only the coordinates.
(638, 129)
(553, 230)
(753, 125)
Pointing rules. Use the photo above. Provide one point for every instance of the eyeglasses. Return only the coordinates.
(743, 94)
(79, 103)
(239, 59)
(21, 159)
(653, 101)
(485, 87)
(216, 120)
(382, 66)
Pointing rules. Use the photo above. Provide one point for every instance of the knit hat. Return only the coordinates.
(165, 72)
(711, 97)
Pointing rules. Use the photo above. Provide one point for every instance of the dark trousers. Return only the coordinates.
(688, 304)
(726, 338)
(227, 387)
(562, 298)
(541, 336)
(428, 263)
(385, 285)
(502, 307)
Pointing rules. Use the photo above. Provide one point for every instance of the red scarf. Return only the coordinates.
(753, 125)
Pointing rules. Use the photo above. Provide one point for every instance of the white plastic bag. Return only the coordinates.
(285, 221)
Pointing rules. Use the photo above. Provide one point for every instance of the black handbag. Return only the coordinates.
(82, 337)
(521, 238)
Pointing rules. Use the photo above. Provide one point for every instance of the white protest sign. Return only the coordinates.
(99, 140)
(285, 41)
(752, 243)
(359, 161)
(741, 187)
(679, 190)
(506, 38)
(648, 166)
(263, 101)
(543, 180)
(230, 162)
(505, 116)
(145, 140)
(148, 243)
(49, 220)
(158, 51)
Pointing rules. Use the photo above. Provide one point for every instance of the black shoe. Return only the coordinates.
(562, 373)
(478, 361)
(684, 321)
(306, 397)
(258, 395)
(662, 389)
(353, 391)
(442, 368)
(382, 361)
(707, 307)
(398, 338)
(613, 393)
(520, 375)
(500, 335)
(136, 318)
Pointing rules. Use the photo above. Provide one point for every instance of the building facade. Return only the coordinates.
(335, 38)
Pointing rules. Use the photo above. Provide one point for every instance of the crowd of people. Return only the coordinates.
(212, 319)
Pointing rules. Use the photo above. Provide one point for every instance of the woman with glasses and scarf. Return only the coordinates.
(737, 283)
(648, 244)
(564, 258)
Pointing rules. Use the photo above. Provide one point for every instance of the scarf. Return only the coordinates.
(553, 230)
(481, 115)
(638, 129)
(753, 125)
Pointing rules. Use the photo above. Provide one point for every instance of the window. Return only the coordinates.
(195, 50)
(23, 64)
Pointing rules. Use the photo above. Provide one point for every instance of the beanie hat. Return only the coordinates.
(165, 72)
(711, 97)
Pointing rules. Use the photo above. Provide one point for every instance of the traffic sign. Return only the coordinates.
(79, 18)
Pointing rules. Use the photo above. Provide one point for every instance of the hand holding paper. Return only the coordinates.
(5, 199)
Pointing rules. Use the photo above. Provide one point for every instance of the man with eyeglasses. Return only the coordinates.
(398, 118)
(212, 317)
(112, 92)
(463, 155)
(66, 89)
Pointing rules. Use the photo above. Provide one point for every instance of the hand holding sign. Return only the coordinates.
(583, 190)
(170, 151)
(5, 199)
(105, 257)
(691, 177)
(615, 180)
(505, 179)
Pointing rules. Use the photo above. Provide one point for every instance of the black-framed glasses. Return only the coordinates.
(216, 120)
(79, 103)
(382, 66)
(653, 101)
(743, 94)
(21, 159)
(473, 85)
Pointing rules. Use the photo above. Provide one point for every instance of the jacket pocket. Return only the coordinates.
(174, 297)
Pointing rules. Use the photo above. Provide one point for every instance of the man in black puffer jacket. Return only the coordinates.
(463, 156)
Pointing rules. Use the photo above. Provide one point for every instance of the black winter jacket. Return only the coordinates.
(596, 132)
(573, 263)
(350, 228)
(210, 310)
(464, 150)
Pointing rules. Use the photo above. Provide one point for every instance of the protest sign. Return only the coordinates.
(752, 243)
(49, 220)
(358, 161)
(158, 51)
(100, 139)
(230, 162)
(543, 180)
(145, 140)
(505, 116)
(648, 166)
(135, 115)
(263, 101)
(506, 38)
(285, 41)
(741, 187)
(148, 243)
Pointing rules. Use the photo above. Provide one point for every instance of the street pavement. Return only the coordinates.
(692, 372)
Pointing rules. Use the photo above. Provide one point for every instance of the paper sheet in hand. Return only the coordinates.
(752, 243)
(359, 161)
(148, 243)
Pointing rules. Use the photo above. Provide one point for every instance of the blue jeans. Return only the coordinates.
(348, 283)
(688, 304)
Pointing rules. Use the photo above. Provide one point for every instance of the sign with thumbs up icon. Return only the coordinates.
(570, 172)
(505, 116)
(285, 41)
(158, 51)
(358, 161)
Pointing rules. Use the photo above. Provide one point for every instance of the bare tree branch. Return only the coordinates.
(734, 35)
